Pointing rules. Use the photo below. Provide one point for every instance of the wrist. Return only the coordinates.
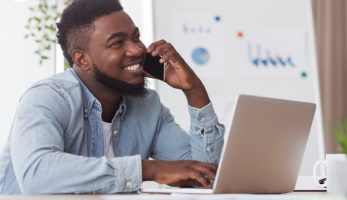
(197, 96)
(148, 170)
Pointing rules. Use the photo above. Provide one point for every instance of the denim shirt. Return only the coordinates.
(56, 143)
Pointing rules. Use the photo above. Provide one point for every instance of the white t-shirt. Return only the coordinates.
(108, 148)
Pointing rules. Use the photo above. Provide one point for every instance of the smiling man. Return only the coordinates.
(93, 128)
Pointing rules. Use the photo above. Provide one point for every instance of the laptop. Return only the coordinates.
(264, 149)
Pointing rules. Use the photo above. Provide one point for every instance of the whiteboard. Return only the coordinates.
(256, 47)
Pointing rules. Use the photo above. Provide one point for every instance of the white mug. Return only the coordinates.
(335, 168)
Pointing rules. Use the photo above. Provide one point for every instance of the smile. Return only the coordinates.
(134, 67)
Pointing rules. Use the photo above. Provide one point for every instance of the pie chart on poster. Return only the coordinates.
(200, 56)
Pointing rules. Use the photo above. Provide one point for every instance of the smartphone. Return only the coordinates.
(153, 66)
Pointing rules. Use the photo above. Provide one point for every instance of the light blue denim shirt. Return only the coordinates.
(56, 144)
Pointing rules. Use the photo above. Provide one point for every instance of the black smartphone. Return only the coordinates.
(153, 66)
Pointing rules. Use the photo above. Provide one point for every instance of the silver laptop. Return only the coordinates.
(263, 152)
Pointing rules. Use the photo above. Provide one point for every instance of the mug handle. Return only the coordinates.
(315, 167)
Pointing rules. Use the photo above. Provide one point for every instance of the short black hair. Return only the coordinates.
(77, 22)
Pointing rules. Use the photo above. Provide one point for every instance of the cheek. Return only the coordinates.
(112, 60)
(142, 46)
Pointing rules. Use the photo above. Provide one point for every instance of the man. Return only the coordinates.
(92, 128)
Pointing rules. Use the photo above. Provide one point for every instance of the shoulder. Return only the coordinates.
(53, 94)
(62, 82)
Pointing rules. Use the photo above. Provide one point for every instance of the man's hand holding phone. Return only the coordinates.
(177, 73)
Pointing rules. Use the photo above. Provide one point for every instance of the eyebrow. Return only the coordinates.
(121, 34)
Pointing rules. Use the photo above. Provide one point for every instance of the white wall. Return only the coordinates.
(141, 12)
(228, 72)
(19, 66)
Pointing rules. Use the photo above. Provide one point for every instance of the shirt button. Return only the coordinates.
(115, 132)
(208, 149)
(128, 184)
(85, 113)
(202, 119)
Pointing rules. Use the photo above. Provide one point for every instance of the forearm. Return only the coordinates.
(197, 96)
(59, 172)
(148, 170)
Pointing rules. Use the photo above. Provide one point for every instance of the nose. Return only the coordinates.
(135, 49)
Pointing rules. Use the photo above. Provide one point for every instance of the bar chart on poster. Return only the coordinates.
(263, 48)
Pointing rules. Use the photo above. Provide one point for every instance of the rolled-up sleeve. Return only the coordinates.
(204, 142)
(129, 173)
(207, 134)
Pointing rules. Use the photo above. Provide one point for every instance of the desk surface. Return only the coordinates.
(288, 196)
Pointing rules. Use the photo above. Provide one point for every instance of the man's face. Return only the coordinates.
(117, 54)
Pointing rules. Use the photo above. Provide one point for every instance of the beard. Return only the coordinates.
(119, 85)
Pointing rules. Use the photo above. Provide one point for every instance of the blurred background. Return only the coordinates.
(28, 54)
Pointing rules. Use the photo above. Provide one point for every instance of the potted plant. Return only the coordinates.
(41, 26)
(341, 136)
(337, 168)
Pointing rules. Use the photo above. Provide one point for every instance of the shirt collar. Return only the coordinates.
(89, 100)
(122, 108)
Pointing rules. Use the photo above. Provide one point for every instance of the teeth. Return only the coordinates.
(132, 67)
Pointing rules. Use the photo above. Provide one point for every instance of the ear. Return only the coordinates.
(81, 59)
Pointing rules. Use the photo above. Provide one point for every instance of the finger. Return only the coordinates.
(166, 50)
(154, 45)
(208, 170)
(191, 183)
(167, 57)
(213, 167)
(162, 49)
(197, 176)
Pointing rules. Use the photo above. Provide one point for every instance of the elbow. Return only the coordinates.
(30, 181)
(30, 185)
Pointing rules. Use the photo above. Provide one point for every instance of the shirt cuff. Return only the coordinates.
(128, 173)
(202, 120)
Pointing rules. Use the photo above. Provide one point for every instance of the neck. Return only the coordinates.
(108, 98)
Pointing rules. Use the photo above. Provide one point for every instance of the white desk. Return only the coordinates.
(288, 196)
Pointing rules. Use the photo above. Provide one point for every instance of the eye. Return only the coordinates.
(116, 44)
(137, 37)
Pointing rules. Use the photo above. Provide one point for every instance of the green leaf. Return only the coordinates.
(40, 7)
(48, 47)
(41, 26)
(341, 136)
(344, 125)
